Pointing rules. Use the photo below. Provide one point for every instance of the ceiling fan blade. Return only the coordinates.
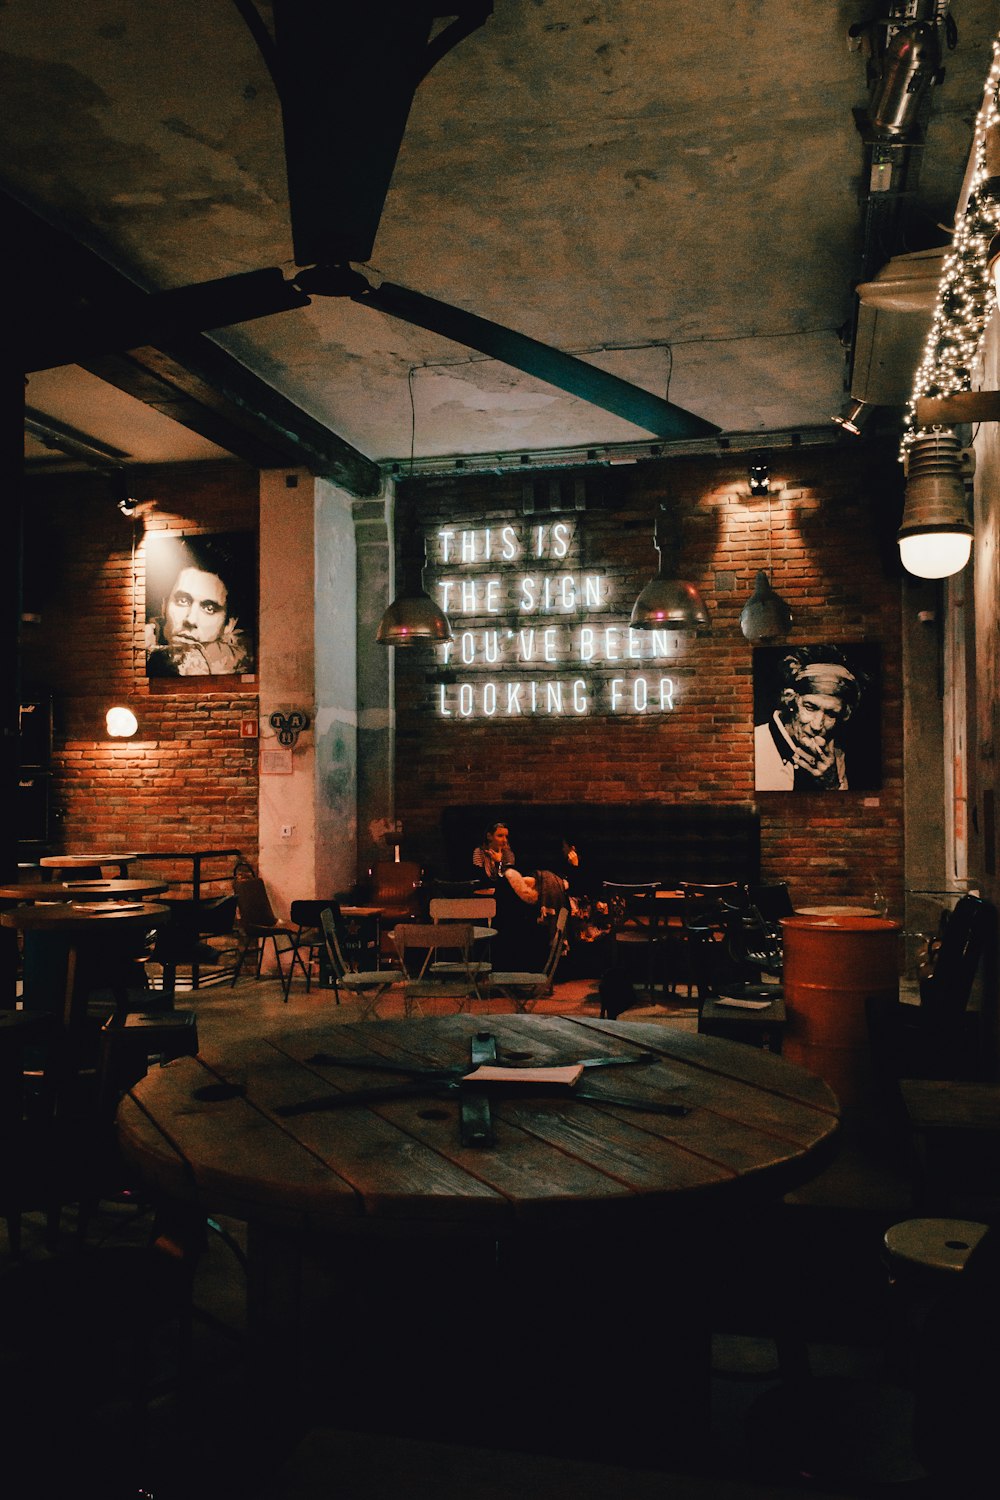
(346, 77)
(159, 317)
(563, 370)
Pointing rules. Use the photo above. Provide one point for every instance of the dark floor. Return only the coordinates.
(103, 1409)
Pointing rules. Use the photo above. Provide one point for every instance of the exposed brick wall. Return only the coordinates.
(188, 780)
(830, 555)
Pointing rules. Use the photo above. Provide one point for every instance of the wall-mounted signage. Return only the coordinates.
(539, 631)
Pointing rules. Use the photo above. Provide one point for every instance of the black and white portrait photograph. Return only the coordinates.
(817, 718)
(201, 605)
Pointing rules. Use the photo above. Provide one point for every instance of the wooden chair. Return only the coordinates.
(705, 917)
(523, 989)
(181, 942)
(367, 986)
(636, 924)
(309, 939)
(939, 1038)
(260, 925)
(394, 887)
(452, 978)
(463, 908)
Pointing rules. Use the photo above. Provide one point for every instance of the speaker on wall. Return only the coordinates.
(35, 724)
(31, 808)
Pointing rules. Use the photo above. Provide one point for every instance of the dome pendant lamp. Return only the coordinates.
(413, 619)
(668, 603)
(765, 616)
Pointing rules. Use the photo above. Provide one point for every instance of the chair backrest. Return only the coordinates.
(331, 938)
(965, 931)
(428, 938)
(253, 901)
(557, 944)
(394, 882)
(463, 908)
(632, 903)
(706, 908)
(771, 902)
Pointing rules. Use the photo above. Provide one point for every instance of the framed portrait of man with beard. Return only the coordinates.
(201, 605)
(817, 718)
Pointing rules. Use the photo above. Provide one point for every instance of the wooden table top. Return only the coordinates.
(78, 916)
(83, 861)
(81, 890)
(754, 1122)
(952, 1104)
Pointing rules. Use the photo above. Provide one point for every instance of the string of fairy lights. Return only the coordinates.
(965, 297)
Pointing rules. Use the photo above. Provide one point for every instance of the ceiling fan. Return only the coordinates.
(346, 79)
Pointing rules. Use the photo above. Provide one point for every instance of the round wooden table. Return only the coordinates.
(754, 1123)
(63, 939)
(81, 890)
(538, 1237)
(94, 864)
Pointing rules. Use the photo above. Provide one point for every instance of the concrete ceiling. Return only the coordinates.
(673, 191)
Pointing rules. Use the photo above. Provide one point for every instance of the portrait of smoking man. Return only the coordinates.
(816, 719)
(200, 593)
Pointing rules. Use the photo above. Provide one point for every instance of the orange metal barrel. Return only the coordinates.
(832, 964)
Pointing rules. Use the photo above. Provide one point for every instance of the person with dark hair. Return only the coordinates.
(197, 634)
(494, 855)
(798, 749)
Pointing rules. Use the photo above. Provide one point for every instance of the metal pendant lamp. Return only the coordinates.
(668, 603)
(765, 616)
(935, 537)
(413, 619)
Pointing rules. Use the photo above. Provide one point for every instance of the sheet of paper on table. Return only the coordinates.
(563, 1077)
(742, 1004)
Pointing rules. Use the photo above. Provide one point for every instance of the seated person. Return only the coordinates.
(571, 869)
(494, 854)
(525, 905)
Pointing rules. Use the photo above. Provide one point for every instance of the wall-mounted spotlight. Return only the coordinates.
(935, 537)
(852, 419)
(121, 490)
(759, 474)
(121, 722)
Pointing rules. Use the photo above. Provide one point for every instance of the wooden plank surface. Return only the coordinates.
(753, 1121)
(935, 1104)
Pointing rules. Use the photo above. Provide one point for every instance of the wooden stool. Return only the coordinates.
(932, 1245)
(924, 1257)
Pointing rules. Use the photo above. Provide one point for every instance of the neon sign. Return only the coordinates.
(537, 634)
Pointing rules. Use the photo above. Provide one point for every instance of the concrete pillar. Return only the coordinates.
(376, 723)
(307, 661)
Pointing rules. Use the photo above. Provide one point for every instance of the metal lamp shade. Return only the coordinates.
(935, 537)
(765, 616)
(413, 620)
(669, 604)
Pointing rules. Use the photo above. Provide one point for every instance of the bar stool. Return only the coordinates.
(923, 1258)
